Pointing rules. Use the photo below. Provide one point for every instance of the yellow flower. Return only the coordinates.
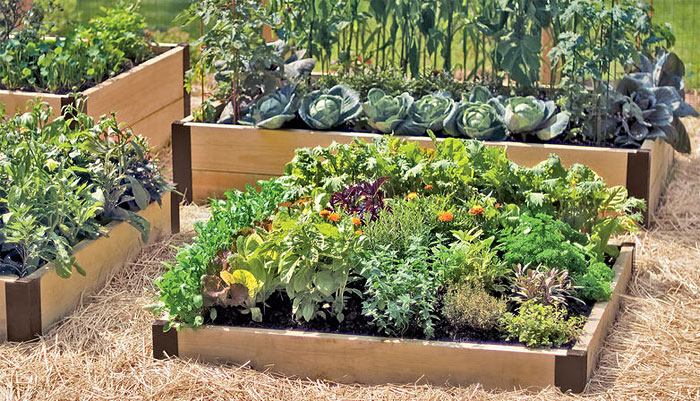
(358, 232)
(412, 196)
(334, 217)
(445, 217)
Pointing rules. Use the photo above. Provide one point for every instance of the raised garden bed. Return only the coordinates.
(380, 360)
(438, 264)
(148, 97)
(209, 159)
(79, 198)
(29, 306)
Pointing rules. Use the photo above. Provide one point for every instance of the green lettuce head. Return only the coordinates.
(328, 109)
(385, 113)
(526, 116)
(474, 117)
(271, 111)
(428, 113)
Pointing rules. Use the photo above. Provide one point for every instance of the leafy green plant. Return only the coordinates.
(428, 113)
(329, 109)
(527, 116)
(475, 120)
(401, 290)
(385, 113)
(317, 260)
(538, 325)
(235, 52)
(595, 283)
(181, 289)
(61, 180)
(84, 56)
(469, 307)
(543, 241)
(273, 110)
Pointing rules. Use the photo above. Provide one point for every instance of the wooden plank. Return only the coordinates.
(662, 157)
(233, 148)
(213, 184)
(3, 308)
(140, 91)
(17, 101)
(100, 258)
(156, 126)
(247, 150)
(603, 315)
(371, 360)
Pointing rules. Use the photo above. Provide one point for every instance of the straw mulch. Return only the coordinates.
(103, 350)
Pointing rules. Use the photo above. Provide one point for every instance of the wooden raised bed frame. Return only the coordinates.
(209, 159)
(148, 97)
(380, 360)
(31, 305)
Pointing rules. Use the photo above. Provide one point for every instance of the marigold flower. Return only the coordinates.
(358, 232)
(356, 221)
(324, 213)
(412, 196)
(428, 187)
(445, 217)
(476, 210)
(497, 205)
(334, 217)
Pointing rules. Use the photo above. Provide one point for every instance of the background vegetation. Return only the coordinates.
(680, 14)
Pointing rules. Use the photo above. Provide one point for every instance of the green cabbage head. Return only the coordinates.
(385, 113)
(271, 111)
(475, 119)
(526, 116)
(322, 109)
(428, 113)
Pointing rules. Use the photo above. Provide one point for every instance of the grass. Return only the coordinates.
(683, 17)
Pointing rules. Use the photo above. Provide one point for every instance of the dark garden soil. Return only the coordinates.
(278, 315)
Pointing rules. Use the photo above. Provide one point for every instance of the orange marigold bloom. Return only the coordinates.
(356, 221)
(476, 210)
(445, 217)
(429, 187)
(324, 213)
(358, 232)
(497, 205)
(334, 217)
(412, 196)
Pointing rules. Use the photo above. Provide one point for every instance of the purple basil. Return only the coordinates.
(365, 199)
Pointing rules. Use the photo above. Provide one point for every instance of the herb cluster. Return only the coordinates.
(86, 55)
(452, 242)
(63, 180)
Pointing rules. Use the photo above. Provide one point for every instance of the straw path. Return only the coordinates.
(103, 350)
